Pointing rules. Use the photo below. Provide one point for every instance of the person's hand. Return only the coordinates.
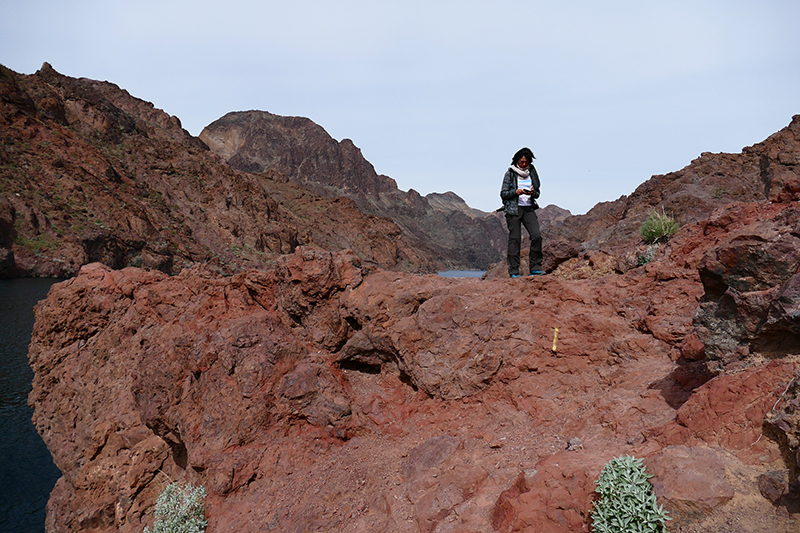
(520, 191)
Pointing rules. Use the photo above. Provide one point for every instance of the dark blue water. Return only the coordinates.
(462, 273)
(27, 472)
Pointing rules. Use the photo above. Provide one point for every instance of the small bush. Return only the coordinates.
(627, 503)
(648, 255)
(658, 227)
(179, 509)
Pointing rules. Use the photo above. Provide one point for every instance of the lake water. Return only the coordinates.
(27, 472)
(462, 273)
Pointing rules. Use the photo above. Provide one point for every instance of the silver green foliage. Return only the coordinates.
(179, 509)
(648, 255)
(658, 227)
(627, 503)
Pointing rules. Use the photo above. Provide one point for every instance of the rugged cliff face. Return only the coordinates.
(256, 141)
(89, 173)
(315, 396)
(711, 181)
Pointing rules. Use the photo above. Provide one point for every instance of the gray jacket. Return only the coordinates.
(508, 192)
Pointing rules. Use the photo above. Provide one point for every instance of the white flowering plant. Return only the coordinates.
(627, 503)
(179, 509)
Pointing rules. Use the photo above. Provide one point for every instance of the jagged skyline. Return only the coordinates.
(440, 95)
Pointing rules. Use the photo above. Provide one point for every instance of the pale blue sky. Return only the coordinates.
(439, 95)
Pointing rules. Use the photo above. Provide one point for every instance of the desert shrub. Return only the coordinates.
(658, 227)
(648, 255)
(627, 503)
(179, 509)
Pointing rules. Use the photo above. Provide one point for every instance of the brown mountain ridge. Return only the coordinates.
(258, 141)
(90, 173)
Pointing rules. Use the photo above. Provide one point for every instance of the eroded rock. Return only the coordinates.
(321, 396)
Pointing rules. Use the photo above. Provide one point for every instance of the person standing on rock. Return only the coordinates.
(519, 193)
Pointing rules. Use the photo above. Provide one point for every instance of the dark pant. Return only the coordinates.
(527, 217)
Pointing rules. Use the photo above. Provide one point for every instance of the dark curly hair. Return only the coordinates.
(523, 152)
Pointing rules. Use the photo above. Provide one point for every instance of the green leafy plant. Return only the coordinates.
(627, 503)
(658, 227)
(179, 509)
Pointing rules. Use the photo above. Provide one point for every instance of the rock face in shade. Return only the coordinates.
(258, 141)
(89, 173)
(318, 395)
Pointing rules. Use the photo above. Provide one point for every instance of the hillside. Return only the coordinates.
(258, 141)
(711, 181)
(90, 173)
(608, 234)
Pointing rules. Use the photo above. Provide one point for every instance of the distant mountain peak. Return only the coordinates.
(259, 141)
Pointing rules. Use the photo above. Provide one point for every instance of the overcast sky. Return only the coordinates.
(439, 95)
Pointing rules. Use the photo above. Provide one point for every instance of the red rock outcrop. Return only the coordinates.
(319, 396)
(761, 172)
(313, 390)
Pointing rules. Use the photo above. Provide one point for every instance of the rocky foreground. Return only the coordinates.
(324, 396)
